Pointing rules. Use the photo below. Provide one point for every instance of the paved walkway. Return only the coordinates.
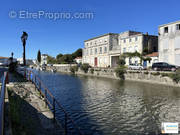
(34, 108)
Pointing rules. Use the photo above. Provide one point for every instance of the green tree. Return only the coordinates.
(39, 56)
(51, 60)
(59, 56)
(77, 53)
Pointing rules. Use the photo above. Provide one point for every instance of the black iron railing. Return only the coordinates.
(53, 103)
(2, 98)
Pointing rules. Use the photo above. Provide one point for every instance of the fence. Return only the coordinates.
(50, 100)
(2, 98)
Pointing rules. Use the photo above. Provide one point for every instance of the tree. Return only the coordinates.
(77, 53)
(51, 60)
(59, 56)
(39, 56)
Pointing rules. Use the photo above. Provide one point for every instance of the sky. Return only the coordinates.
(53, 33)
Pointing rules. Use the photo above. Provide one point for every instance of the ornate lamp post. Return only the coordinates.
(23, 39)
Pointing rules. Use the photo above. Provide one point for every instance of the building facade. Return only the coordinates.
(44, 59)
(131, 42)
(104, 51)
(96, 50)
(169, 43)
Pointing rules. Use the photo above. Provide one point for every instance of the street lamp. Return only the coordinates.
(23, 39)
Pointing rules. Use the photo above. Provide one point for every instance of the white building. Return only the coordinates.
(104, 51)
(44, 59)
(4, 61)
(78, 60)
(169, 43)
(96, 50)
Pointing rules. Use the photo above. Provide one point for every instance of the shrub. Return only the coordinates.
(155, 73)
(176, 76)
(85, 67)
(92, 71)
(74, 69)
(146, 72)
(120, 71)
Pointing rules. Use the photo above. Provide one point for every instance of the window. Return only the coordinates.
(124, 40)
(130, 40)
(135, 48)
(165, 29)
(124, 50)
(87, 52)
(91, 52)
(90, 43)
(105, 40)
(100, 50)
(177, 26)
(105, 49)
(136, 38)
(95, 50)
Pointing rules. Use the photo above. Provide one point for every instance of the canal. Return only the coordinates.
(101, 106)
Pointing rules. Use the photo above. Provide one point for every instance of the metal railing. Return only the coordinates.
(2, 98)
(39, 85)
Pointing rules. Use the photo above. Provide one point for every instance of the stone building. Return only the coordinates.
(96, 50)
(169, 43)
(44, 59)
(131, 41)
(104, 51)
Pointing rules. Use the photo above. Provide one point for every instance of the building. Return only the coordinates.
(169, 43)
(4, 61)
(96, 50)
(154, 58)
(28, 61)
(78, 60)
(131, 41)
(104, 50)
(44, 59)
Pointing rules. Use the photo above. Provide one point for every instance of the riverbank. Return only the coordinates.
(28, 112)
(153, 77)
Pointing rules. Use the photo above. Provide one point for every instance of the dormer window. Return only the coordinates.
(165, 29)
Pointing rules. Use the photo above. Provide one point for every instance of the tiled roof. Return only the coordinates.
(4, 57)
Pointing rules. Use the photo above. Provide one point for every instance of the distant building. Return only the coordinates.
(44, 59)
(28, 61)
(104, 50)
(4, 61)
(78, 60)
(169, 43)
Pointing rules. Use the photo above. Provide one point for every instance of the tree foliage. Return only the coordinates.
(51, 60)
(39, 56)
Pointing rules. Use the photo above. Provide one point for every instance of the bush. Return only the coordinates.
(92, 71)
(120, 71)
(85, 67)
(74, 69)
(176, 76)
(146, 72)
(155, 73)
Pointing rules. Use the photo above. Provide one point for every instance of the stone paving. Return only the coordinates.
(38, 111)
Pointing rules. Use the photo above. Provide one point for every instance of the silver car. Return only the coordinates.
(135, 67)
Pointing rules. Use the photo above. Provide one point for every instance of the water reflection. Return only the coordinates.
(107, 106)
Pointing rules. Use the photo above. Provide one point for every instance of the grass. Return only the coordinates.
(20, 124)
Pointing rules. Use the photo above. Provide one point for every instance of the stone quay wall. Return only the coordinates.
(154, 77)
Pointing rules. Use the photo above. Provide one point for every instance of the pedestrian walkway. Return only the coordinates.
(33, 108)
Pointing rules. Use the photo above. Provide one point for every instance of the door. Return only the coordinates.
(95, 61)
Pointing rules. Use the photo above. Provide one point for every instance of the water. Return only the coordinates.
(102, 106)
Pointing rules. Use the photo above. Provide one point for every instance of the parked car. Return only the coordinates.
(135, 67)
(163, 66)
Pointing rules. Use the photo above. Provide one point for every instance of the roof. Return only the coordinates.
(4, 57)
(101, 36)
(78, 58)
(154, 54)
(169, 23)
